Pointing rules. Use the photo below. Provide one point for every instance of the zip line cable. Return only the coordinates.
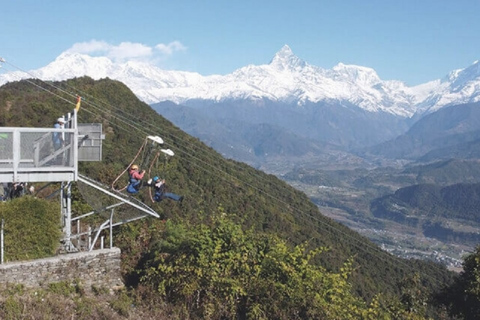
(134, 125)
(117, 115)
(361, 246)
(181, 150)
(127, 121)
(46, 90)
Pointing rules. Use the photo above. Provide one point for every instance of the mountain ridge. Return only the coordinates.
(445, 130)
(287, 78)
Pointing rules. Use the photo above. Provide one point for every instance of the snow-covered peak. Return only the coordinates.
(353, 73)
(459, 78)
(70, 64)
(458, 87)
(286, 60)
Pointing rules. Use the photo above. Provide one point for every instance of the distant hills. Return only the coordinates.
(255, 134)
(446, 172)
(442, 212)
(451, 132)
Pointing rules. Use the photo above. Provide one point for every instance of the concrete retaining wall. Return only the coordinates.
(99, 267)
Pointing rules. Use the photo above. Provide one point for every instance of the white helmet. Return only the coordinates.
(61, 120)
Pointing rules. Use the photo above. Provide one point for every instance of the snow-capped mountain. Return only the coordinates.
(459, 87)
(346, 108)
(286, 78)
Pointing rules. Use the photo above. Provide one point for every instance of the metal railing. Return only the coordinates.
(29, 155)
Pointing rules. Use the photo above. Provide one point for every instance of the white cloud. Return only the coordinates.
(128, 50)
(90, 47)
(170, 48)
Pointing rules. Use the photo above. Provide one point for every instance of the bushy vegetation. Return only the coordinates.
(219, 271)
(32, 228)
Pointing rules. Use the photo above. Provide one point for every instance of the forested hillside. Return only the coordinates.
(261, 204)
(441, 212)
(458, 201)
(448, 172)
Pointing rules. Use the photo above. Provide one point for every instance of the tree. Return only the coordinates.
(462, 298)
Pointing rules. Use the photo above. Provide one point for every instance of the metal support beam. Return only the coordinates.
(1, 242)
(117, 196)
(66, 202)
(111, 229)
(98, 233)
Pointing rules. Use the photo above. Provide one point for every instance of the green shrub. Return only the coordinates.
(32, 228)
(122, 303)
(219, 271)
(63, 288)
(12, 308)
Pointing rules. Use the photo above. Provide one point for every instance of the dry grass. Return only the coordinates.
(17, 303)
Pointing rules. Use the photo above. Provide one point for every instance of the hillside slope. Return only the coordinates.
(205, 178)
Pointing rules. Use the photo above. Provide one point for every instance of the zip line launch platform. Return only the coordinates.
(30, 155)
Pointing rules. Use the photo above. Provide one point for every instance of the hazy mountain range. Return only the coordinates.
(244, 113)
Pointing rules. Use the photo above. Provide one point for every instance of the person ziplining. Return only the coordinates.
(137, 173)
(135, 177)
(161, 190)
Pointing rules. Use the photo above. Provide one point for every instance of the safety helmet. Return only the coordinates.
(155, 179)
(134, 167)
(61, 120)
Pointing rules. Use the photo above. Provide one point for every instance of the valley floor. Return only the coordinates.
(400, 241)
(344, 190)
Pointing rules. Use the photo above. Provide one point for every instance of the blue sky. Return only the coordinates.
(414, 41)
